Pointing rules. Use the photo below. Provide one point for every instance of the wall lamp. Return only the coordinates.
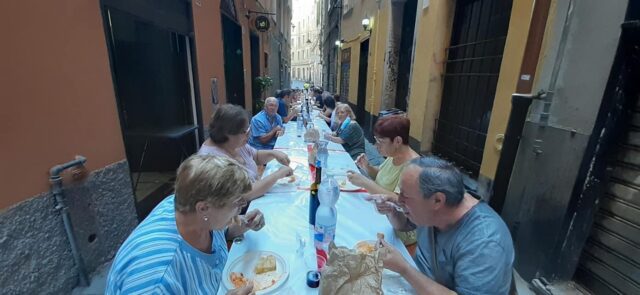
(366, 24)
(339, 43)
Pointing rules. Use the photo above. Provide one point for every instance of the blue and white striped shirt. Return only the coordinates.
(155, 259)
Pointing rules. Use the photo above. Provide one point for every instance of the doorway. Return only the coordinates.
(151, 68)
(362, 81)
(233, 69)
(472, 68)
(256, 96)
(406, 54)
(610, 259)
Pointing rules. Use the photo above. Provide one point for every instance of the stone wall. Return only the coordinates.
(36, 256)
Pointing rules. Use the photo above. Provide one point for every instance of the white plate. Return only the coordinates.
(246, 264)
(345, 185)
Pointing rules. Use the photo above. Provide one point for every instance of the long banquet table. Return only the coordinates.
(287, 231)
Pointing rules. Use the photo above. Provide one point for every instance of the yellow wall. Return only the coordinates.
(375, 69)
(507, 81)
(353, 34)
(352, 96)
(354, 44)
(433, 34)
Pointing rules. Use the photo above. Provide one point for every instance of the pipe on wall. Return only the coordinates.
(56, 190)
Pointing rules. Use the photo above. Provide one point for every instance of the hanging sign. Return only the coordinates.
(262, 23)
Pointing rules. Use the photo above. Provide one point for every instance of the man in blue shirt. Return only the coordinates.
(266, 126)
(284, 98)
(463, 245)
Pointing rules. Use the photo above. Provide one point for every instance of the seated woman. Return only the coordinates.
(228, 137)
(349, 134)
(392, 141)
(184, 238)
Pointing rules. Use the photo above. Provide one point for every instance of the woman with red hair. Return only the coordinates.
(392, 141)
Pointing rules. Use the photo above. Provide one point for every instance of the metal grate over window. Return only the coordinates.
(470, 80)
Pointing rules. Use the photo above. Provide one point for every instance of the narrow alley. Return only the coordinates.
(320, 147)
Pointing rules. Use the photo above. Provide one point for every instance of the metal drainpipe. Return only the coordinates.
(546, 109)
(56, 190)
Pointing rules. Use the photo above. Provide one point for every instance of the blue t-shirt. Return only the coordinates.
(282, 108)
(155, 259)
(261, 124)
(474, 257)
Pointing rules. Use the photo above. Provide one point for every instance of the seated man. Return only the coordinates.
(317, 94)
(266, 126)
(463, 245)
(284, 100)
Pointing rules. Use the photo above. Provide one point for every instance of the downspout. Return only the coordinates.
(546, 109)
(375, 69)
(56, 189)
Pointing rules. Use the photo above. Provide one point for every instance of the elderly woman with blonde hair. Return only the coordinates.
(180, 248)
(349, 134)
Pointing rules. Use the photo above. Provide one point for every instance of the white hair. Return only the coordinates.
(270, 99)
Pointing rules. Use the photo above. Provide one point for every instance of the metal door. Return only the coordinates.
(470, 79)
(610, 260)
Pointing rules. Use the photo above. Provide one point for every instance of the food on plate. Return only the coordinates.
(262, 270)
(368, 247)
(265, 264)
(266, 280)
(365, 247)
(238, 280)
(292, 178)
(343, 182)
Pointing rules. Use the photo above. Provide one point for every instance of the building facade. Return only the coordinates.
(330, 12)
(560, 169)
(279, 65)
(128, 85)
(305, 40)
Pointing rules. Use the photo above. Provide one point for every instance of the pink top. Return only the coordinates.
(247, 153)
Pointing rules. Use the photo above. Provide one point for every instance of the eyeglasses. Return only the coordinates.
(378, 140)
(240, 202)
(248, 130)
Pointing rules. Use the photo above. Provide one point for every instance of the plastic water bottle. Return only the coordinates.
(323, 154)
(326, 217)
(299, 125)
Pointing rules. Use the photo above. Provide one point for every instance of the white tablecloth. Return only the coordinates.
(286, 209)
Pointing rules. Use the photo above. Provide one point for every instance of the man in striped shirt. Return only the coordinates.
(180, 248)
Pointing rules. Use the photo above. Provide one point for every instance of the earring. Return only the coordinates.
(206, 218)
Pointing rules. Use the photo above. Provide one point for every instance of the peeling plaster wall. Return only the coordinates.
(36, 256)
(392, 56)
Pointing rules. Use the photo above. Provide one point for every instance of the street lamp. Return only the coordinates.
(366, 24)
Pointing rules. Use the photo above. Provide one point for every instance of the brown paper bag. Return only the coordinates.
(348, 273)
